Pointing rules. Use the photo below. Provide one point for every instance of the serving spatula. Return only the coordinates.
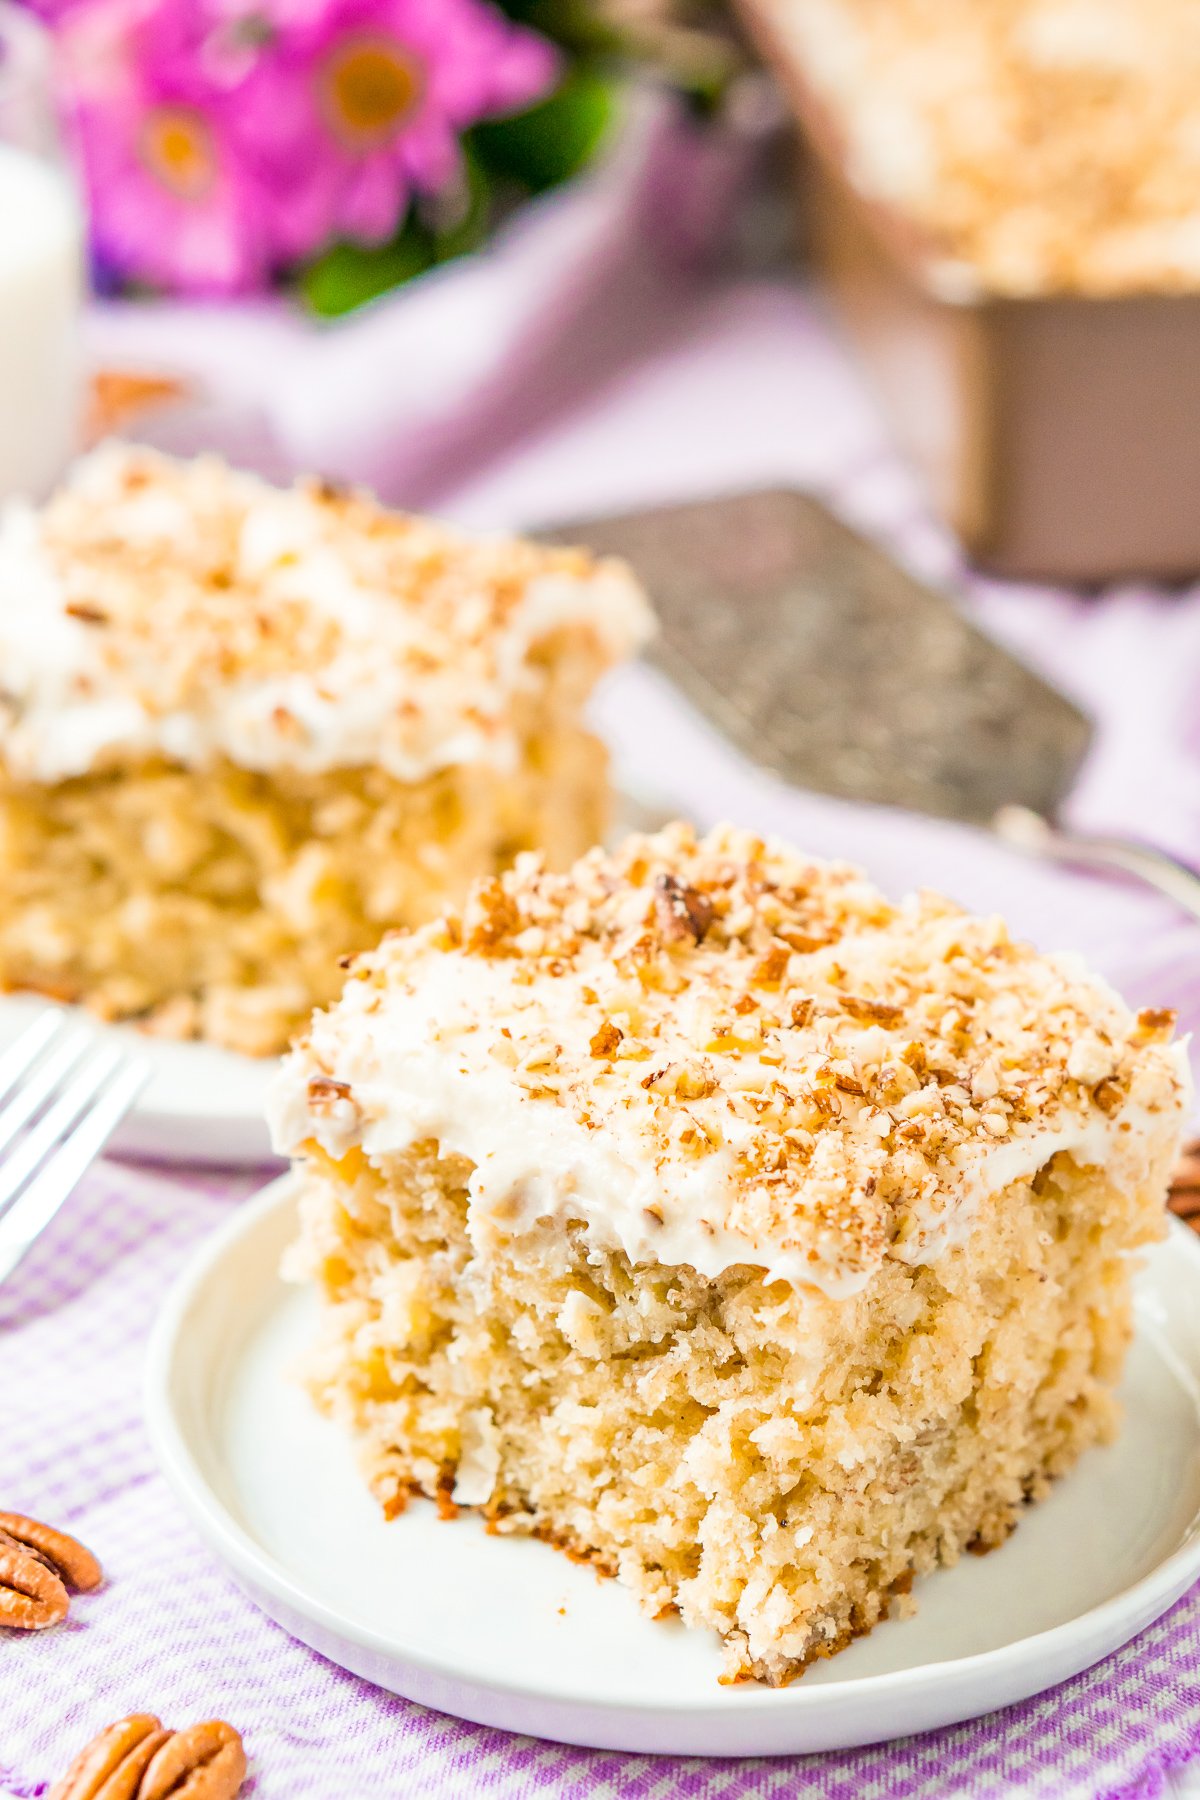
(826, 661)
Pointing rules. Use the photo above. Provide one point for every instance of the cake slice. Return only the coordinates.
(703, 1213)
(243, 731)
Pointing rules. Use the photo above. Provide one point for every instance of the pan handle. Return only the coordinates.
(1027, 830)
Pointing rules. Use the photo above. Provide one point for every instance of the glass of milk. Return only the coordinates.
(41, 268)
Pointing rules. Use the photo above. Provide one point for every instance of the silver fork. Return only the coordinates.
(62, 1093)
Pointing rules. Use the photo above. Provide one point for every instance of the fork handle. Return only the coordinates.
(1028, 830)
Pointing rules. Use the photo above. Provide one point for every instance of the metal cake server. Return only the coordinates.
(827, 662)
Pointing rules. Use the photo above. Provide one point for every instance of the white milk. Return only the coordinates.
(41, 289)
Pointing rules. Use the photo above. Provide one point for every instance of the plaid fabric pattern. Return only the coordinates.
(171, 1634)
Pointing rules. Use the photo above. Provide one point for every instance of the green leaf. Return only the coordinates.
(348, 275)
(578, 25)
(554, 140)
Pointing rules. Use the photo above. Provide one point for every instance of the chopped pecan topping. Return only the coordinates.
(803, 942)
(873, 1012)
(686, 1080)
(1185, 1186)
(769, 971)
(683, 912)
(324, 1087)
(447, 1507)
(286, 723)
(85, 612)
(606, 1040)
(492, 917)
(830, 1089)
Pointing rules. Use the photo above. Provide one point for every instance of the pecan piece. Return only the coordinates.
(607, 1040)
(31, 1594)
(682, 912)
(770, 970)
(492, 916)
(71, 1561)
(1185, 1186)
(112, 1765)
(203, 1762)
(137, 1758)
(871, 1012)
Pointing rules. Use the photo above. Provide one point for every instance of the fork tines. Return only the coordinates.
(62, 1092)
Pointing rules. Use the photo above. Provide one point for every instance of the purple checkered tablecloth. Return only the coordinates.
(170, 1633)
(738, 386)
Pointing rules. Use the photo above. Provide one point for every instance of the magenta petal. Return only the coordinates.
(374, 202)
(287, 184)
(304, 220)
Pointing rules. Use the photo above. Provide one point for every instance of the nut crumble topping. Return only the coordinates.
(189, 610)
(835, 1103)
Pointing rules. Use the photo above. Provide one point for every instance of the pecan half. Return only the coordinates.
(31, 1594)
(137, 1758)
(71, 1561)
(203, 1762)
(112, 1765)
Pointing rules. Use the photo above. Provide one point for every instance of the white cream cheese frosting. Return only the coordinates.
(189, 611)
(717, 1054)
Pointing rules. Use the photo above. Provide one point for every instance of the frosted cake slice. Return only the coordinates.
(244, 730)
(702, 1212)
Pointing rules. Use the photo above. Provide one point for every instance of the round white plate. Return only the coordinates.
(200, 1105)
(507, 1632)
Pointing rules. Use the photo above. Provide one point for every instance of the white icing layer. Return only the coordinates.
(188, 611)
(426, 1067)
(501, 1060)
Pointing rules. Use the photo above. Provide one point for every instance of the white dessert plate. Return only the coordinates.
(509, 1633)
(201, 1104)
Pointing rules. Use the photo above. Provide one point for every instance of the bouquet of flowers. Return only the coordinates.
(345, 145)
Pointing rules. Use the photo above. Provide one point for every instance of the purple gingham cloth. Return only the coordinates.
(742, 385)
(170, 1633)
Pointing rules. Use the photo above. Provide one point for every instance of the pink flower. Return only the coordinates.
(361, 104)
(172, 203)
(225, 139)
